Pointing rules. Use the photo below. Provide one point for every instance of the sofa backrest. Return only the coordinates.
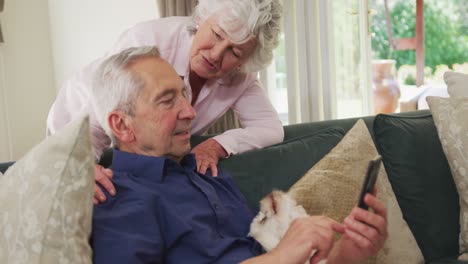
(422, 181)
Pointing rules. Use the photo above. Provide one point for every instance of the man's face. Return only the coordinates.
(162, 114)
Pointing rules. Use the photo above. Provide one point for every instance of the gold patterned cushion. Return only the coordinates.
(332, 187)
(450, 118)
(46, 201)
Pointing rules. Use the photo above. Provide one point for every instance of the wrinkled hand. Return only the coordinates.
(102, 176)
(365, 232)
(305, 235)
(207, 155)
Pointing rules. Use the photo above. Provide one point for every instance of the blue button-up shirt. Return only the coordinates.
(166, 212)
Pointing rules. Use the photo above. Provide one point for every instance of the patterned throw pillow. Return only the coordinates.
(299, 153)
(450, 117)
(332, 187)
(457, 84)
(46, 201)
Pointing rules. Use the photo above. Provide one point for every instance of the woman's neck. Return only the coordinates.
(196, 84)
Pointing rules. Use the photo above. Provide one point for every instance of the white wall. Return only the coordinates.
(27, 77)
(84, 30)
(45, 42)
(5, 144)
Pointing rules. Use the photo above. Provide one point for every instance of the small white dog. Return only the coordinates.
(277, 211)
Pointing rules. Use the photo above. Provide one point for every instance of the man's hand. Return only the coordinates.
(102, 176)
(365, 233)
(304, 236)
(207, 155)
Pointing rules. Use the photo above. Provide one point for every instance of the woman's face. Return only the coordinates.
(213, 55)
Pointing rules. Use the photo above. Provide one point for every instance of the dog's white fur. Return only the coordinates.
(277, 211)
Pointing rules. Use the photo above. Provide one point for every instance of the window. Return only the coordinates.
(274, 78)
(321, 66)
(332, 53)
(445, 46)
(352, 58)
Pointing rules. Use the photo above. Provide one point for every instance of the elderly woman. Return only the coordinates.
(217, 52)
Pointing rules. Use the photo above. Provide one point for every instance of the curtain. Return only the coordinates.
(176, 7)
(326, 62)
(2, 3)
(185, 8)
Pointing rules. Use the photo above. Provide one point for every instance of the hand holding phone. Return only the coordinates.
(370, 180)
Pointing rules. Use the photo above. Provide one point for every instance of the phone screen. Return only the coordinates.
(369, 181)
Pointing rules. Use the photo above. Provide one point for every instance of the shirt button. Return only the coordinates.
(215, 205)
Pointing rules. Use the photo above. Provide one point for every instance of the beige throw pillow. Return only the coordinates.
(46, 201)
(450, 117)
(457, 84)
(332, 188)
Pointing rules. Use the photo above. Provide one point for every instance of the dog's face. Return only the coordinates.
(277, 211)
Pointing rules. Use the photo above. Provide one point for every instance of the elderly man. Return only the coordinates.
(167, 212)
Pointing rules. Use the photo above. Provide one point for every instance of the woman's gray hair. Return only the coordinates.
(243, 19)
(116, 87)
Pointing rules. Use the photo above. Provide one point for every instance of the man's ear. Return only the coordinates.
(121, 126)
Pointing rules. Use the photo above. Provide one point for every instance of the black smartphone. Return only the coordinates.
(370, 179)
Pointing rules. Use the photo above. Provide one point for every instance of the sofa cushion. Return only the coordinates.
(421, 179)
(450, 119)
(332, 187)
(258, 172)
(46, 201)
(457, 84)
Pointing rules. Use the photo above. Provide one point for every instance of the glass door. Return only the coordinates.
(352, 58)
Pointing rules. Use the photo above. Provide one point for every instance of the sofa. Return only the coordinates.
(412, 156)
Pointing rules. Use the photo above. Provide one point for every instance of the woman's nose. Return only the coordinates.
(217, 52)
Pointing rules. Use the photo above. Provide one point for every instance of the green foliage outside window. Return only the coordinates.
(445, 31)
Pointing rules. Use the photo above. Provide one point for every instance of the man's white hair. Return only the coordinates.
(116, 87)
(242, 20)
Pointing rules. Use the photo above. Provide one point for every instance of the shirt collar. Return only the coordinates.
(149, 167)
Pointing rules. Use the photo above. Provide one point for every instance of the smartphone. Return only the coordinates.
(370, 179)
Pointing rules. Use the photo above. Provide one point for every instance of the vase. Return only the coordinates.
(385, 86)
